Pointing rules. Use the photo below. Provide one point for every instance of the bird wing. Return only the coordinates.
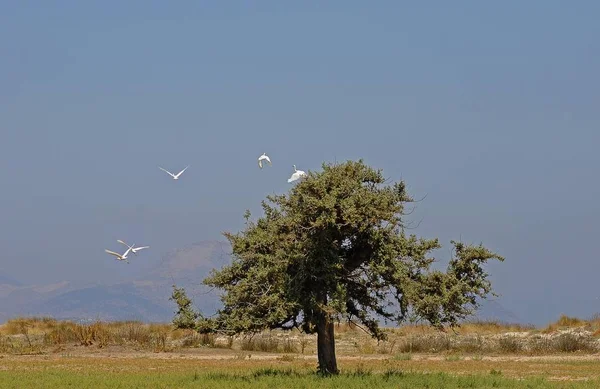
(130, 247)
(166, 171)
(113, 253)
(140, 248)
(120, 241)
(260, 163)
(269, 160)
(178, 174)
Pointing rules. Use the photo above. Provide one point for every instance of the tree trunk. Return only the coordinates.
(326, 344)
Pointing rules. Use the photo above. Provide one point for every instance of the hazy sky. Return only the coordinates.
(491, 109)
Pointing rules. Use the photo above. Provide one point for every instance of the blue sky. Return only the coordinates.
(489, 109)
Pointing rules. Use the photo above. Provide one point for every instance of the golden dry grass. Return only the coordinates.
(566, 322)
(471, 327)
(40, 334)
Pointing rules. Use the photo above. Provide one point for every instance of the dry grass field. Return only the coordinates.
(42, 352)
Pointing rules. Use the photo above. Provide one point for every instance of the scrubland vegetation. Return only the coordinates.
(43, 335)
(134, 354)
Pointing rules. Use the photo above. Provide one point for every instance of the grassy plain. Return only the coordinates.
(46, 353)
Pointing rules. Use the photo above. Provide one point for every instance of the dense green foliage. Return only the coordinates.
(335, 248)
(186, 316)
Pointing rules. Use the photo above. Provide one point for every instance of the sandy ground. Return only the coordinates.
(553, 367)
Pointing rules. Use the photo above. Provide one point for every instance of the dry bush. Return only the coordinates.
(159, 331)
(194, 339)
(20, 326)
(209, 340)
(568, 321)
(482, 327)
(538, 344)
(568, 343)
(101, 334)
(62, 333)
(425, 344)
(16, 346)
(228, 344)
(469, 327)
(225, 342)
(469, 344)
(492, 327)
(564, 343)
(178, 333)
(510, 344)
(365, 346)
(303, 343)
(370, 346)
(6, 345)
(289, 346)
(159, 341)
(386, 346)
(151, 336)
(84, 334)
(128, 332)
(266, 343)
(564, 322)
(34, 325)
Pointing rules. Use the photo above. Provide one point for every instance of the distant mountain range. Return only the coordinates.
(6, 280)
(145, 297)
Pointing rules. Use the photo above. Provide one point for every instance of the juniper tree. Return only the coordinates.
(335, 248)
(186, 316)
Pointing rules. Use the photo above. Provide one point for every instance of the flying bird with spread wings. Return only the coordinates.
(120, 257)
(175, 176)
(264, 157)
(133, 249)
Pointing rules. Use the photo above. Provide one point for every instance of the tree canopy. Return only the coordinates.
(335, 248)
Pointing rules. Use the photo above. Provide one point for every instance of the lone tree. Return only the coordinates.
(334, 248)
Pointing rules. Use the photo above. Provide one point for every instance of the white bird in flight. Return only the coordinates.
(133, 249)
(120, 257)
(262, 158)
(297, 174)
(175, 176)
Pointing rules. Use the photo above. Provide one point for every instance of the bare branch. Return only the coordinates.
(359, 326)
(414, 228)
(418, 201)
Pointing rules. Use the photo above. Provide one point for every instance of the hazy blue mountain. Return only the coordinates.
(5, 279)
(113, 302)
(492, 309)
(185, 268)
(146, 296)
